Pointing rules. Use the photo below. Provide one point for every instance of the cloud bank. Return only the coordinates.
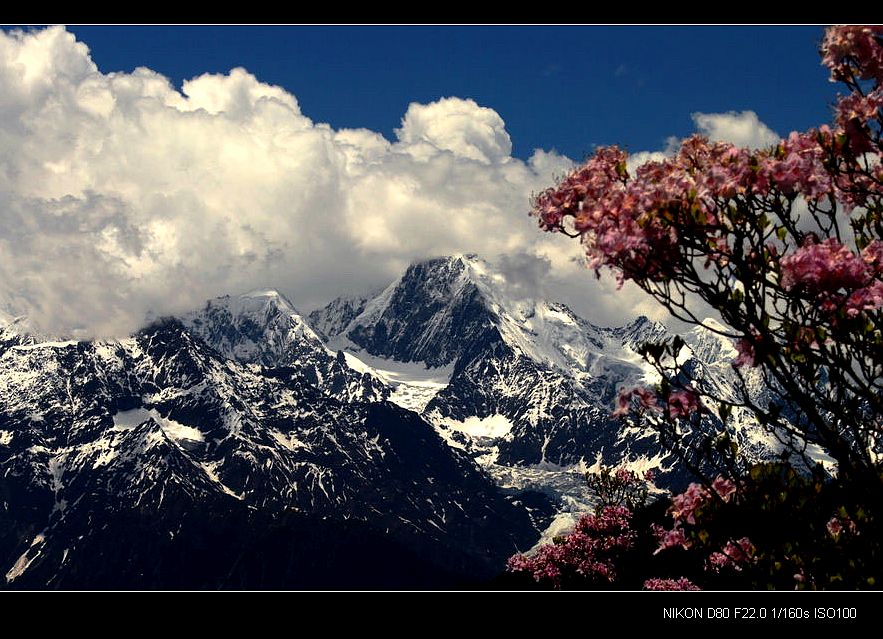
(122, 196)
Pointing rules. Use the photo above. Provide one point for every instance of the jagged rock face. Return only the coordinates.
(11, 335)
(261, 327)
(265, 329)
(333, 318)
(198, 465)
(551, 375)
(430, 315)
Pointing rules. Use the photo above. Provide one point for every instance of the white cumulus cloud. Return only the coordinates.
(122, 196)
(742, 128)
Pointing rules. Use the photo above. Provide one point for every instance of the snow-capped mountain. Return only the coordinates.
(264, 328)
(524, 385)
(551, 374)
(164, 461)
(414, 437)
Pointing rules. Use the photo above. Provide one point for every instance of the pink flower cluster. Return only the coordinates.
(683, 403)
(674, 538)
(633, 224)
(683, 506)
(641, 225)
(797, 166)
(836, 276)
(670, 584)
(590, 550)
(747, 355)
(854, 51)
(679, 403)
(683, 511)
(734, 555)
(645, 397)
(837, 526)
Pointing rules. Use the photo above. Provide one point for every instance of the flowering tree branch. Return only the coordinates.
(784, 243)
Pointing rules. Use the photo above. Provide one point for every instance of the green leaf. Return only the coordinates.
(781, 233)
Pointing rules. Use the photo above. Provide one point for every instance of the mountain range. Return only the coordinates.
(413, 438)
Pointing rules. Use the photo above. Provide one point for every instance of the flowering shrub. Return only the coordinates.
(721, 536)
(619, 487)
(784, 243)
(745, 536)
(590, 551)
(670, 584)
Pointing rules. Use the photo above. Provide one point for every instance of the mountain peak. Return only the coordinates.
(444, 307)
(251, 301)
(267, 293)
(259, 327)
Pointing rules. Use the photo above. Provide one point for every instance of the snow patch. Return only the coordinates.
(31, 347)
(493, 426)
(129, 419)
(25, 560)
(817, 454)
(288, 441)
(211, 470)
(413, 384)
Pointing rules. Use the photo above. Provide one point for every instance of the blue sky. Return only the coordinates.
(566, 88)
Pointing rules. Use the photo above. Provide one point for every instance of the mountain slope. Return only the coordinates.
(264, 328)
(528, 385)
(170, 450)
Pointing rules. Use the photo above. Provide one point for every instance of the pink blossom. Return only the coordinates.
(740, 551)
(836, 526)
(590, 550)
(825, 267)
(734, 555)
(683, 506)
(649, 475)
(674, 538)
(724, 488)
(716, 561)
(683, 403)
(670, 584)
(747, 356)
(646, 400)
(853, 111)
(872, 255)
(869, 298)
(853, 50)
(798, 166)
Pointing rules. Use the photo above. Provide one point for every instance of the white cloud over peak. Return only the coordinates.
(462, 127)
(120, 195)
